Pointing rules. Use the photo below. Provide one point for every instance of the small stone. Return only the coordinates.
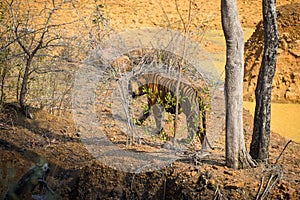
(234, 186)
(291, 193)
(194, 173)
(295, 52)
(280, 51)
(118, 191)
(283, 185)
(231, 173)
(284, 45)
(292, 96)
(105, 109)
(215, 167)
(212, 182)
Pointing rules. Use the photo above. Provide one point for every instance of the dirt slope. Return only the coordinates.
(286, 83)
(135, 14)
(75, 174)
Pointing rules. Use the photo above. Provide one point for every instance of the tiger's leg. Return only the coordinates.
(192, 122)
(191, 119)
(205, 143)
(157, 112)
(201, 133)
(199, 129)
(203, 130)
(143, 115)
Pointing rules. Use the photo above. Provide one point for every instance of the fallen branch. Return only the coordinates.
(219, 195)
(260, 187)
(275, 174)
(283, 151)
(274, 177)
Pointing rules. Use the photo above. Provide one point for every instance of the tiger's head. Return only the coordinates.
(135, 86)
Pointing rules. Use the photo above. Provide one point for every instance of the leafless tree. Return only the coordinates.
(259, 149)
(186, 27)
(236, 153)
(4, 51)
(37, 36)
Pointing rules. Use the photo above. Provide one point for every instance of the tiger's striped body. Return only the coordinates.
(159, 89)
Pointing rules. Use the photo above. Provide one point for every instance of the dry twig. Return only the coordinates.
(219, 195)
(283, 151)
(275, 174)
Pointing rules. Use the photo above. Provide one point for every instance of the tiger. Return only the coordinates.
(161, 91)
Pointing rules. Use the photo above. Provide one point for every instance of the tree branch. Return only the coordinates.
(283, 151)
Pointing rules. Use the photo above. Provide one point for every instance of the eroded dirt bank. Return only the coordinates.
(75, 174)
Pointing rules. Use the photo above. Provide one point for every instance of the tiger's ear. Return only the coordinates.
(135, 88)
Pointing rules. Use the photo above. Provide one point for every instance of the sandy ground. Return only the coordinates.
(75, 174)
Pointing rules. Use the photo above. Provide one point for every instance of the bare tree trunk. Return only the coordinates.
(3, 76)
(23, 90)
(18, 85)
(259, 149)
(186, 27)
(236, 154)
(31, 41)
(3, 73)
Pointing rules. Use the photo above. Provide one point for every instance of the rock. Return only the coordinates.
(287, 59)
(291, 193)
(295, 47)
(194, 173)
(215, 167)
(118, 191)
(231, 173)
(291, 96)
(106, 109)
(212, 182)
(234, 185)
(283, 45)
(286, 36)
(188, 173)
(280, 51)
(283, 185)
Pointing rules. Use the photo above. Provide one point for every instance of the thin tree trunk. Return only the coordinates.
(3, 73)
(186, 31)
(259, 149)
(18, 85)
(236, 154)
(23, 90)
(3, 76)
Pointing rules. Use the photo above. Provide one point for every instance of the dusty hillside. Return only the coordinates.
(135, 14)
(286, 83)
(75, 174)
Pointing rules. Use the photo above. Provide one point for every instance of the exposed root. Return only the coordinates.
(246, 160)
(275, 174)
(219, 195)
(283, 151)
